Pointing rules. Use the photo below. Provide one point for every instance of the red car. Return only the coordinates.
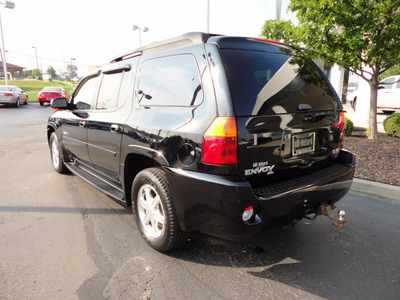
(49, 93)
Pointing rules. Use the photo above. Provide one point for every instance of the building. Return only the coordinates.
(13, 71)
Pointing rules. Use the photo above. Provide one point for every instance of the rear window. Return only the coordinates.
(51, 89)
(268, 82)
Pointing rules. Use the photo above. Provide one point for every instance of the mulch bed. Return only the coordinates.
(376, 161)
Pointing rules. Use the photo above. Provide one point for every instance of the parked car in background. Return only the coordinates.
(49, 93)
(13, 95)
(389, 94)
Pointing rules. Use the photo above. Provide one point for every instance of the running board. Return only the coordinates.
(115, 192)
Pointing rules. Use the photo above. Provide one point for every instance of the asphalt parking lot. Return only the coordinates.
(62, 239)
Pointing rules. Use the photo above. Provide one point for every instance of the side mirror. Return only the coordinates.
(59, 103)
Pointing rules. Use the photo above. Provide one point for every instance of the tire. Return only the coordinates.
(41, 103)
(154, 211)
(17, 104)
(56, 156)
(355, 104)
(26, 101)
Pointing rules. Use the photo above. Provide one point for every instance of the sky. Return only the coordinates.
(94, 31)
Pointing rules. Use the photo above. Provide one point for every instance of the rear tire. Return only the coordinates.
(41, 103)
(154, 211)
(56, 156)
(17, 104)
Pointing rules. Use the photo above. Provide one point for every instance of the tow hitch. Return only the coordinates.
(338, 218)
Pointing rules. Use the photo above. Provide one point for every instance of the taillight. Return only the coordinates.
(339, 125)
(220, 142)
(9, 95)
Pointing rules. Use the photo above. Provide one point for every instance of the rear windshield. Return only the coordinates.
(275, 82)
(51, 89)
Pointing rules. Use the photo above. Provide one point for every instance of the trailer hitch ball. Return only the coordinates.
(338, 219)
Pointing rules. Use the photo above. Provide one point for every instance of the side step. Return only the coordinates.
(95, 180)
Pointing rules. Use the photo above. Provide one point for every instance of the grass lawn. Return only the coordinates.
(33, 87)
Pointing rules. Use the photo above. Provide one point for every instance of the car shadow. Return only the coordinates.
(315, 257)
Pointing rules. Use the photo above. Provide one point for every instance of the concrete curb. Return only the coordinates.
(376, 189)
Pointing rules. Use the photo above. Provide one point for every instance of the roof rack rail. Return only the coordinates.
(187, 39)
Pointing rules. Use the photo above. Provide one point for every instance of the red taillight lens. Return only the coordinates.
(220, 142)
(340, 125)
(8, 95)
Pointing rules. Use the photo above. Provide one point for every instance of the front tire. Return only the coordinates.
(56, 156)
(154, 211)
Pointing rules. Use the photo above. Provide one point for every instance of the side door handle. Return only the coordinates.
(115, 128)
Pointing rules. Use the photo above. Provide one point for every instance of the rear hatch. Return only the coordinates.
(288, 116)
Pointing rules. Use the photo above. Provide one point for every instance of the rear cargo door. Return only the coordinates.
(287, 114)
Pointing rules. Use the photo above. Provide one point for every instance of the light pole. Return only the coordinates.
(278, 9)
(37, 64)
(10, 5)
(70, 66)
(144, 29)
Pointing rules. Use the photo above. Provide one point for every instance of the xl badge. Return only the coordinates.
(260, 167)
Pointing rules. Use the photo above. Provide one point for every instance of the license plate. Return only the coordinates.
(49, 98)
(303, 143)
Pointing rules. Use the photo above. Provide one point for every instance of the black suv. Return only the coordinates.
(224, 135)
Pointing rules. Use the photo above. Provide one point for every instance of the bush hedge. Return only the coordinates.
(348, 127)
(392, 125)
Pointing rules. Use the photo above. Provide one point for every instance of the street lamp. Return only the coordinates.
(144, 29)
(10, 5)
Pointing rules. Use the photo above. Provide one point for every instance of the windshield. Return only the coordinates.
(267, 82)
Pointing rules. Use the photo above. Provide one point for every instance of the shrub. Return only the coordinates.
(392, 125)
(348, 127)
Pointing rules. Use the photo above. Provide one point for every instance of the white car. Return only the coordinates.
(389, 95)
(12, 95)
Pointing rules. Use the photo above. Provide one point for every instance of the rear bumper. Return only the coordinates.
(214, 204)
(8, 101)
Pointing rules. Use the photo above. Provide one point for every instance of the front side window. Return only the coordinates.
(170, 81)
(85, 95)
(109, 91)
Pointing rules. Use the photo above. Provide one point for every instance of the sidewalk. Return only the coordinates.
(376, 189)
(351, 115)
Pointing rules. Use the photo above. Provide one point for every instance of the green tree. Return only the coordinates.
(27, 73)
(52, 72)
(72, 71)
(360, 35)
(395, 70)
(36, 73)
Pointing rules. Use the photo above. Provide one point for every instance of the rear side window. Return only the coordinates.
(265, 82)
(170, 81)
